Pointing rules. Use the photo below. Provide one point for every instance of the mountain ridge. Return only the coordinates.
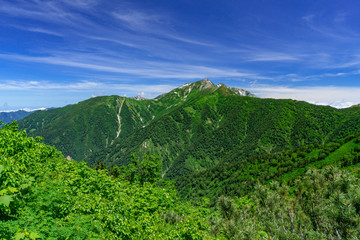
(192, 128)
(7, 116)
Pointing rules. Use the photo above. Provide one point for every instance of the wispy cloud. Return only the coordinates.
(146, 69)
(154, 24)
(138, 21)
(335, 28)
(38, 30)
(44, 11)
(266, 56)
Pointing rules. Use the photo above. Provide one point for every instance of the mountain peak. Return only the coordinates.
(139, 97)
(202, 84)
(237, 91)
(207, 86)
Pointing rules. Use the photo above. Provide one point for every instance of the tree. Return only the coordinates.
(145, 170)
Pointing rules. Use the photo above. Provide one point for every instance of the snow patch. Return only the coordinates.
(140, 117)
(185, 85)
(119, 119)
(206, 84)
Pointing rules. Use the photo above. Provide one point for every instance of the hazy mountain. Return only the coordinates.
(8, 116)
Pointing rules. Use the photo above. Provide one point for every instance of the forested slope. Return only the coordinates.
(80, 129)
(240, 178)
(192, 128)
(218, 129)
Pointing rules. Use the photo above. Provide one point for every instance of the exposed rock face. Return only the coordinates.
(138, 97)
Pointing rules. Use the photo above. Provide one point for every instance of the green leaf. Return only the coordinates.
(12, 189)
(19, 235)
(2, 168)
(5, 200)
(34, 235)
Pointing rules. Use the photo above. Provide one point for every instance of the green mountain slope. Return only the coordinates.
(240, 178)
(216, 128)
(192, 128)
(79, 129)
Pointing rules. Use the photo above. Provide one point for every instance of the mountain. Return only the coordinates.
(80, 129)
(8, 116)
(138, 97)
(192, 128)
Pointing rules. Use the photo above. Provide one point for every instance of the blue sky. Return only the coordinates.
(59, 52)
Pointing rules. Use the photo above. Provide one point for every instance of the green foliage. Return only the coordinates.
(145, 170)
(43, 195)
(325, 205)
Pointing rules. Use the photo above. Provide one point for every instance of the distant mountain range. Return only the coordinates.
(192, 128)
(8, 116)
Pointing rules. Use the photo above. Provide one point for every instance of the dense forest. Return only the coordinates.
(240, 178)
(45, 196)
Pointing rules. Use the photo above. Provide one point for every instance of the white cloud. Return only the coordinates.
(338, 97)
(25, 109)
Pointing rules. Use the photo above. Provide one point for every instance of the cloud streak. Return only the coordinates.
(147, 70)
